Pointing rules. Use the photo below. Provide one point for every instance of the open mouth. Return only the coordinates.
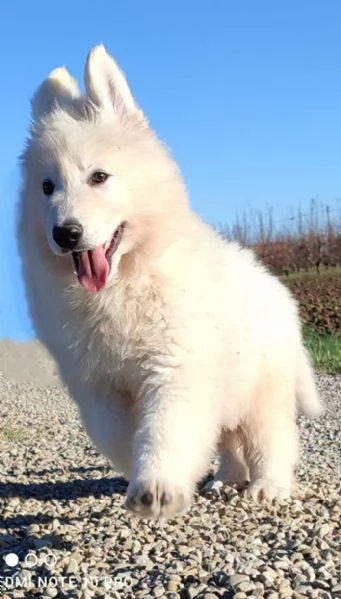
(92, 267)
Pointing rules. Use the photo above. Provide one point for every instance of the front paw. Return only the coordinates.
(155, 499)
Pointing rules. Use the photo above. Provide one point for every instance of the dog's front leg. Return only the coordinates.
(172, 447)
(109, 426)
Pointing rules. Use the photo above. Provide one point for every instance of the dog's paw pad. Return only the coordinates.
(154, 500)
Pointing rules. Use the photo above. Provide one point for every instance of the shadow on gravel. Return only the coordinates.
(75, 489)
(21, 520)
(20, 543)
(79, 469)
(21, 535)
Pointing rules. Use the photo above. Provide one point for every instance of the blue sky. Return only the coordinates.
(246, 94)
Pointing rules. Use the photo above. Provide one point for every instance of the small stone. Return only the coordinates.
(299, 579)
(245, 586)
(103, 566)
(323, 574)
(302, 589)
(337, 589)
(33, 529)
(237, 579)
(41, 543)
(214, 486)
(191, 592)
(268, 576)
(55, 524)
(191, 572)
(323, 530)
(72, 568)
(221, 579)
(136, 546)
(175, 578)
(7, 540)
(322, 584)
(309, 572)
(77, 557)
(324, 546)
(297, 557)
(281, 565)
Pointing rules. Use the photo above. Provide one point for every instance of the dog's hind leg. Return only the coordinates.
(233, 469)
(271, 447)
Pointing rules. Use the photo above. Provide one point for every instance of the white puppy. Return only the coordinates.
(171, 341)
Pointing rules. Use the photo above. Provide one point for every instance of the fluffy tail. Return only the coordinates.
(307, 396)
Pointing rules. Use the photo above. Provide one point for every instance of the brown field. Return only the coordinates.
(305, 252)
(320, 301)
(298, 244)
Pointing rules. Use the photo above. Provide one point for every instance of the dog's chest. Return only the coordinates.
(114, 343)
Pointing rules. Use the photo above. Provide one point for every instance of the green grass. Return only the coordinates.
(8, 432)
(333, 271)
(325, 350)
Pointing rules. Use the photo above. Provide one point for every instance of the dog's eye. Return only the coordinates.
(98, 177)
(48, 187)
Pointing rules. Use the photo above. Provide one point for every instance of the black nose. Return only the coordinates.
(68, 235)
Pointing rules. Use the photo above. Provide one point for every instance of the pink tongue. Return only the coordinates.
(93, 269)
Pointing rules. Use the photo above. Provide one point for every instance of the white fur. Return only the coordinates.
(192, 345)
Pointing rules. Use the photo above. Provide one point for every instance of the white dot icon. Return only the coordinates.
(11, 559)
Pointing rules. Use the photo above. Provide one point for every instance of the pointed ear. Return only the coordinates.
(57, 89)
(107, 87)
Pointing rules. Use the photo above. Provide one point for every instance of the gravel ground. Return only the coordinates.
(64, 531)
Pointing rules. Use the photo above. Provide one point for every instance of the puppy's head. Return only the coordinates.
(99, 179)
